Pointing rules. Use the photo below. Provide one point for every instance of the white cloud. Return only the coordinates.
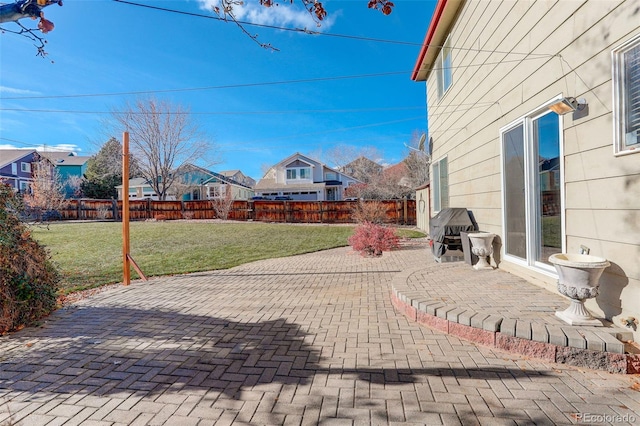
(14, 91)
(61, 147)
(66, 147)
(284, 14)
(5, 146)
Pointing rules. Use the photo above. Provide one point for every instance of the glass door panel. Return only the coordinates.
(546, 136)
(514, 192)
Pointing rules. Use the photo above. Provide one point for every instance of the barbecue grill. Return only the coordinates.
(445, 229)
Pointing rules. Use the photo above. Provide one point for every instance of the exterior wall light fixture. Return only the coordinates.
(566, 105)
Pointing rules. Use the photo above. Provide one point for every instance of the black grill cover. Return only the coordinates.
(449, 223)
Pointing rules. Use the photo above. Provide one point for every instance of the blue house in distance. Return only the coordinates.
(70, 168)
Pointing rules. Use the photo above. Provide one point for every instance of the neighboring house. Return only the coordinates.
(15, 167)
(398, 174)
(212, 185)
(140, 189)
(544, 182)
(239, 177)
(362, 169)
(194, 183)
(303, 178)
(70, 168)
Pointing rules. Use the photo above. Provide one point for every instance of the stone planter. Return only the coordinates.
(578, 279)
(482, 246)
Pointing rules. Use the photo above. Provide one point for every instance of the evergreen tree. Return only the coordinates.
(104, 171)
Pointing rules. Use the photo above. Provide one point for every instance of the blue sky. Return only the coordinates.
(257, 105)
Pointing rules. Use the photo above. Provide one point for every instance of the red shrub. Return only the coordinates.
(371, 239)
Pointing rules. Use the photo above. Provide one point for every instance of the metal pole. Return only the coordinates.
(125, 209)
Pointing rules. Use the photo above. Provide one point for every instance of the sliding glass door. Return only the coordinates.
(515, 192)
(532, 188)
(546, 138)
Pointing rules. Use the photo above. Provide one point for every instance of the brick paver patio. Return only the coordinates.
(311, 339)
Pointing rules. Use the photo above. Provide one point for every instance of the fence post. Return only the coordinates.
(114, 207)
(404, 222)
(286, 211)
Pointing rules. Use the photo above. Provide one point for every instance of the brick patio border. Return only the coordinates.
(435, 315)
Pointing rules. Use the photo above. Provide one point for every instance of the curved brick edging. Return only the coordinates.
(488, 332)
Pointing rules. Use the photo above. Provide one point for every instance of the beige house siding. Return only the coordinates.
(510, 59)
(423, 208)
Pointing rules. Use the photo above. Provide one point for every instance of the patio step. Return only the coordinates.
(600, 348)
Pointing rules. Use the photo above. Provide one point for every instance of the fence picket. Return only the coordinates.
(396, 211)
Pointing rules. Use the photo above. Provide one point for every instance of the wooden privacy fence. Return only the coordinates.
(401, 212)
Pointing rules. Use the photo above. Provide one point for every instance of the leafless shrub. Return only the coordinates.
(102, 213)
(369, 211)
(222, 205)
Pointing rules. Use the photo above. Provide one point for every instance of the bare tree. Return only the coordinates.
(164, 140)
(74, 184)
(46, 193)
(418, 161)
(355, 161)
(181, 187)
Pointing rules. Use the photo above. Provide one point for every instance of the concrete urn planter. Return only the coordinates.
(578, 279)
(482, 246)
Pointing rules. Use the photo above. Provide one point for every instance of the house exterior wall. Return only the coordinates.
(12, 173)
(423, 208)
(218, 190)
(568, 46)
(315, 188)
(66, 173)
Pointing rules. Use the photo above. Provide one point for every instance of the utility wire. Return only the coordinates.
(288, 112)
(259, 84)
(310, 32)
(193, 89)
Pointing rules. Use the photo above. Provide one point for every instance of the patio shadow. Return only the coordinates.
(106, 350)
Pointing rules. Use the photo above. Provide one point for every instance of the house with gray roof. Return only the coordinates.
(15, 167)
(302, 178)
(69, 167)
(239, 177)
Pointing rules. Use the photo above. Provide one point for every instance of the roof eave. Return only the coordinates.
(443, 17)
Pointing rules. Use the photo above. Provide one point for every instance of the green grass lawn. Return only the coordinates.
(90, 254)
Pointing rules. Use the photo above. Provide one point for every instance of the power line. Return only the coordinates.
(287, 112)
(273, 27)
(259, 84)
(310, 32)
(193, 89)
(364, 126)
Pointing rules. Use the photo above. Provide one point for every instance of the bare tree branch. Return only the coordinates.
(21, 9)
(164, 139)
(315, 8)
(46, 190)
